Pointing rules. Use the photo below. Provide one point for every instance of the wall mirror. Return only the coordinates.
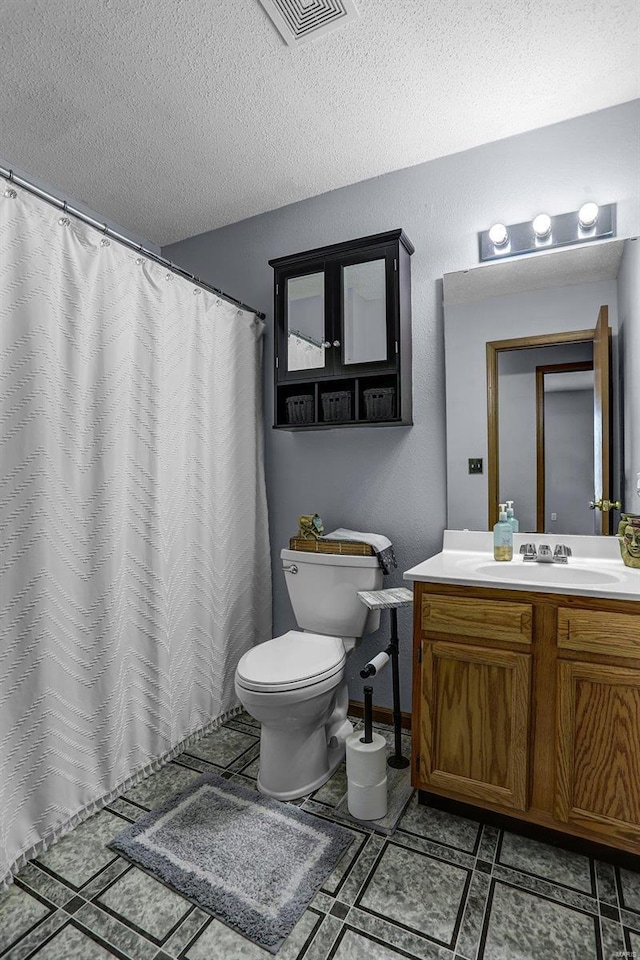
(533, 390)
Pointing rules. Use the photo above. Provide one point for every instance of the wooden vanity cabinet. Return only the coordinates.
(475, 731)
(597, 785)
(529, 704)
(476, 681)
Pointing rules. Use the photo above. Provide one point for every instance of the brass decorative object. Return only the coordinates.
(310, 527)
(629, 539)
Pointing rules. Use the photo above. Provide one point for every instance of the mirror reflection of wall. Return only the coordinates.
(526, 297)
(568, 451)
(565, 470)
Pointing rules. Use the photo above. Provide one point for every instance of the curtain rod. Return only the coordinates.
(305, 337)
(120, 238)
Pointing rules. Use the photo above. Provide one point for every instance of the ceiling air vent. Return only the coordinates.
(300, 20)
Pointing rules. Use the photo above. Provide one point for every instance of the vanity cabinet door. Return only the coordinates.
(474, 724)
(598, 748)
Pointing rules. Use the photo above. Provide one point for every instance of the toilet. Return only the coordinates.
(295, 684)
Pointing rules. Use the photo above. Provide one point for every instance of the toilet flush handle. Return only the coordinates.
(292, 568)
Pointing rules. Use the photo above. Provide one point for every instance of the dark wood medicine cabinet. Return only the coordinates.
(343, 334)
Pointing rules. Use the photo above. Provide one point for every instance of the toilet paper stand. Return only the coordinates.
(389, 600)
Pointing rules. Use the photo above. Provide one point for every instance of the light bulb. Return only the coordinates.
(587, 215)
(498, 234)
(542, 226)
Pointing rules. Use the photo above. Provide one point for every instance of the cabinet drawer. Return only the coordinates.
(597, 631)
(469, 617)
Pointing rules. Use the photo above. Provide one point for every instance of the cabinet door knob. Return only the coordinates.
(326, 343)
(336, 343)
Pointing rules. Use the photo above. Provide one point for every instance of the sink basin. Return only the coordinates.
(551, 573)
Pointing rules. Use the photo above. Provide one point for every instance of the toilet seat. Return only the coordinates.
(291, 662)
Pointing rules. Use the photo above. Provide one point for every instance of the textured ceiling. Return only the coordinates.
(173, 117)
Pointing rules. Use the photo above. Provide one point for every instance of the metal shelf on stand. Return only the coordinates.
(390, 600)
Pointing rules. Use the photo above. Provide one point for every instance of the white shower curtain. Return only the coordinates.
(134, 555)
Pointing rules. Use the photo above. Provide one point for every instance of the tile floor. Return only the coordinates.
(440, 888)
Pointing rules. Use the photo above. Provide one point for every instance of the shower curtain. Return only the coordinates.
(134, 555)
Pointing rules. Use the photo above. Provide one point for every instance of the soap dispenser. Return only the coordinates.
(511, 517)
(503, 537)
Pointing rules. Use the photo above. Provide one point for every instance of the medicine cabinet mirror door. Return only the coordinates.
(304, 351)
(338, 316)
(364, 333)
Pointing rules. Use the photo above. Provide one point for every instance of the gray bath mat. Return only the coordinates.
(253, 862)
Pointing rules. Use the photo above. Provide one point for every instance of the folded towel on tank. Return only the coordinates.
(381, 545)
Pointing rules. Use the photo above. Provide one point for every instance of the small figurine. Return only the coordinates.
(310, 527)
(629, 539)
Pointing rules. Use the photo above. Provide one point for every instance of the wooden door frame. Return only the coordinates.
(602, 415)
(494, 349)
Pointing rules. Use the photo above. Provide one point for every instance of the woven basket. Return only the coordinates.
(346, 547)
(336, 406)
(379, 403)
(300, 408)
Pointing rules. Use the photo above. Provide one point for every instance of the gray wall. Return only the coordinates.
(393, 480)
(629, 315)
(569, 461)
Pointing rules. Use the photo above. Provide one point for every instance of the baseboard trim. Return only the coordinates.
(380, 714)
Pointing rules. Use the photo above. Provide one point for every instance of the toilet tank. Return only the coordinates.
(324, 592)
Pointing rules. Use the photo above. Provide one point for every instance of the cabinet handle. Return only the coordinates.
(326, 343)
(336, 343)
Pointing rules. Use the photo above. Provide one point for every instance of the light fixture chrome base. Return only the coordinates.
(565, 230)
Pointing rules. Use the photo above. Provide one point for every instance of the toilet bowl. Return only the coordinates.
(295, 684)
(294, 709)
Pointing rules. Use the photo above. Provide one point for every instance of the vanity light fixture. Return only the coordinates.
(590, 222)
(499, 235)
(542, 226)
(588, 215)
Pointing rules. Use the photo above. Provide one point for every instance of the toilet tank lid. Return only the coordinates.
(333, 559)
(292, 658)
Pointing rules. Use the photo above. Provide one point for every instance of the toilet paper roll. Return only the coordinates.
(366, 762)
(367, 803)
(379, 661)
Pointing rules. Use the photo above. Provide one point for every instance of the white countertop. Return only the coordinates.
(595, 568)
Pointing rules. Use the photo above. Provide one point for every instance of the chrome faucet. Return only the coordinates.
(561, 553)
(543, 553)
